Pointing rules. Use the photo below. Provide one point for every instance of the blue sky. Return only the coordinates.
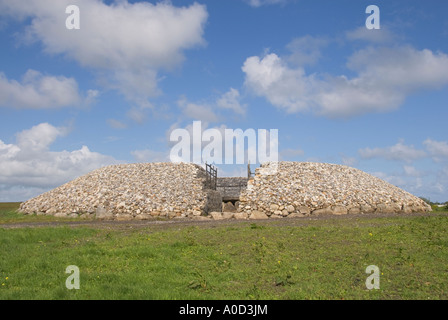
(112, 91)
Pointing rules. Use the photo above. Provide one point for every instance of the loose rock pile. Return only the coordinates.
(129, 191)
(169, 190)
(294, 189)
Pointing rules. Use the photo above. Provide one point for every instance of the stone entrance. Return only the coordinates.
(230, 190)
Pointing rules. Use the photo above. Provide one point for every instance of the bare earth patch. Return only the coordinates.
(107, 224)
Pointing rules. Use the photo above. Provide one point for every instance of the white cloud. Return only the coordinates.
(379, 36)
(231, 100)
(39, 137)
(392, 179)
(259, 3)
(403, 68)
(206, 111)
(411, 171)
(384, 77)
(200, 112)
(195, 111)
(38, 91)
(116, 124)
(349, 161)
(306, 50)
(284, 87)
(30, 166)
(437, 149)
(400, 152)
(137, 114)
(126, 44)
(428, 185)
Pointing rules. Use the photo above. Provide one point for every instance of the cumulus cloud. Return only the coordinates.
(208, 111)
(383, 78)
(306, 50)
(426, 184)
(202, 112)
(231, 101)
(411, 171)
(399, 152)
(125, 44)
(430, 183)
(284, 87)
(39, 137)
(403, 68)
(38, 91)
(30, 166)
(437, 149)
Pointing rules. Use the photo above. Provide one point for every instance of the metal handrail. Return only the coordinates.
(211, 176)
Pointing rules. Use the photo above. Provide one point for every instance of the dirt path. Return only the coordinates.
(132, 224)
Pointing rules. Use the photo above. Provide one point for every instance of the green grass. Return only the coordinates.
(9, 214)
(439, 209)
(298, 259)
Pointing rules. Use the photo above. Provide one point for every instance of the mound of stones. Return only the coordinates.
(131, 191)
(296, 189)
(170, 190)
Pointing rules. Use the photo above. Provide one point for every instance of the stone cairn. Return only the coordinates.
(297, 189)
(131, 191)
(168, 190)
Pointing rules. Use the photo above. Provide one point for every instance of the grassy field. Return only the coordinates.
(281, 259)
(8, 214)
